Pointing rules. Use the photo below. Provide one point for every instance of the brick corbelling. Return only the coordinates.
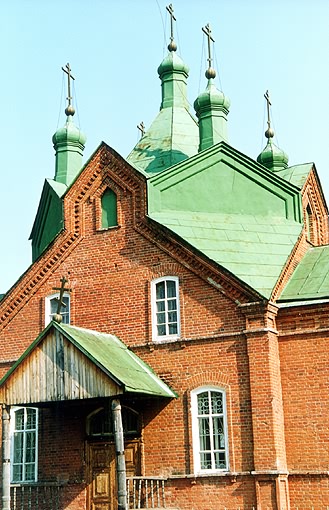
(38, 273)
(311, 194)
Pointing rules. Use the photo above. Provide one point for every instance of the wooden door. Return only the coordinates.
(102, 475)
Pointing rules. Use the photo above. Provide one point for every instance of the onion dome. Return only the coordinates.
(271, 156)
(69, 143)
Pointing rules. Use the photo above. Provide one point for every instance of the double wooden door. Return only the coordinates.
(102, 489)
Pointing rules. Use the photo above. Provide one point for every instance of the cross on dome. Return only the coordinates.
(172, 45)
(69, 110)
(210, 73)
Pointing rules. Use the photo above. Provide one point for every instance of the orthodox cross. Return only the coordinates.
(170, 9)
(67, 70)
(141, 127)
(207, 31)
(267, 97)
(61, 289)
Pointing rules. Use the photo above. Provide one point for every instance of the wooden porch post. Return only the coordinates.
(120, 454)
(5, 457)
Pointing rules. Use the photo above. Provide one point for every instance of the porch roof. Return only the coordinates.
(68, 363)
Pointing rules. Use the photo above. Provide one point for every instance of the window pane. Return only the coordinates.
(17, 473)
(161, 330)
(160, 290)
(172, 317)
(204, 434)
(218, 431)
(160, 306)
(173, 329)
(19, 419)
(172, 304)
(171, 289)
(205, 460)
(220, 461)
(30, 447)
(29, 472)
(30, 419)
(18, 447)
(161, 318)
(203, 403)
(216, 402)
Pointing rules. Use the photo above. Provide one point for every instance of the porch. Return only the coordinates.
(142, 493)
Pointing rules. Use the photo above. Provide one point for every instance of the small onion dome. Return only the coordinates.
(272, 157)
(69, 134)
(172, 63)
(211, 99)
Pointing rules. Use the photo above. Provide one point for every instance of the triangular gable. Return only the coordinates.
(69, 363)
(236, 212)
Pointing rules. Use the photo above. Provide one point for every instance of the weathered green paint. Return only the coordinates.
(231, 209)
(110, 355)
(109, 209)
(211, 109)
(49, 218)
(69, 143)
(310, 279)
(173, 135)
(272, 157)
(297, 174)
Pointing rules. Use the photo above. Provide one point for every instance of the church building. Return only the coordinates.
(168, 346)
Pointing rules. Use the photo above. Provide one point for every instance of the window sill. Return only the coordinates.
(106, 229)
(166, 339)
(213, 474)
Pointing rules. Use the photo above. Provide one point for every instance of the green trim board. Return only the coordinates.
(109, 354)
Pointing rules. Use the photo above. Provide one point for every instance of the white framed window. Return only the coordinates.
(209, 429)
(165, 308)
(51, 306)
(24, 444)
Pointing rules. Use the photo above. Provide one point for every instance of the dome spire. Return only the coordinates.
(69, 142)
(271, 156)
(172, 46)
(211, 106)
(69, 110)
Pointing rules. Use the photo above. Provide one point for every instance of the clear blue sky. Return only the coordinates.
(114, 48)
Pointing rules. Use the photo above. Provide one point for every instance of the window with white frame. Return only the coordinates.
(51, 307)
(209, 428)
(165, 308)
(24, 444)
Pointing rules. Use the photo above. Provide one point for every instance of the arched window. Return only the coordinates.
(309, 224)
(99, 423)
(209, 428)
(109, 209)
(165, 308)
(24, 444)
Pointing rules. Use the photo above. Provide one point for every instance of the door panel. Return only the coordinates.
(102, 474)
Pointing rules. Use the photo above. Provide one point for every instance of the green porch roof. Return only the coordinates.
(253, 248)
(310, 279)
(109, 354)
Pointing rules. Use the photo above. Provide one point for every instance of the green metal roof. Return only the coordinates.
(172, 137)
(310, 279)
(253, 248)
(110, 355)
(297, 174)
(49, 218)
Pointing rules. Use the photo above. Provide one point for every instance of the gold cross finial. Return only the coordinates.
(269, 133)
(172, 45)
(69, 110)
(61, 289)
(141, 128)
(210, 73)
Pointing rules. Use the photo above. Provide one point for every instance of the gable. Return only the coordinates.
(222, 180)
(69, 363)
(237, 213)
